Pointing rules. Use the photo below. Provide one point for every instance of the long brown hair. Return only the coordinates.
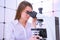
(21, 7)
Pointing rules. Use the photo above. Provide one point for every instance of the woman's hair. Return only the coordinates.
(21, 7)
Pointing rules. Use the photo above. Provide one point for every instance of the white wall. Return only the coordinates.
(1, 18)
(50, 25)
(57, 12)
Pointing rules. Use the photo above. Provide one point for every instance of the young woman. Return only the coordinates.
(20, 28)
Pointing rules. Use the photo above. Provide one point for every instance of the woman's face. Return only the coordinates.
(24, 14)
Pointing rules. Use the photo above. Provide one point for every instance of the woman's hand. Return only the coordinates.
(35, 37)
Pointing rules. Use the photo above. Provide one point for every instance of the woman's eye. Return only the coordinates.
(27, 12)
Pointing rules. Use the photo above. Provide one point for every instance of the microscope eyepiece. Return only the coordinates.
(32, 14)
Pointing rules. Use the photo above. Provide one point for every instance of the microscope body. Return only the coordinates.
(39, 30)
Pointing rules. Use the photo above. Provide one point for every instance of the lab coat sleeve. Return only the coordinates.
(9, 34)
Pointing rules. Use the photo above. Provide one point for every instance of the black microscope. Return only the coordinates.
(42, 32)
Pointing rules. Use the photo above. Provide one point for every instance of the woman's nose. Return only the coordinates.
(28, 15)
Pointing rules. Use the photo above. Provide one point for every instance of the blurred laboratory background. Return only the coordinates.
(50, 12)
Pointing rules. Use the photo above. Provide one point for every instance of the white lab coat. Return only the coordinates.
(15, 31)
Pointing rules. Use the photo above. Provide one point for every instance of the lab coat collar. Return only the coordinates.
(15, 21)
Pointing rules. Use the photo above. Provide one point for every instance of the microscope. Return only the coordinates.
(39, 30)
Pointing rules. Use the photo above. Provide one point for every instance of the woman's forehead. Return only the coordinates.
(28, 8)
